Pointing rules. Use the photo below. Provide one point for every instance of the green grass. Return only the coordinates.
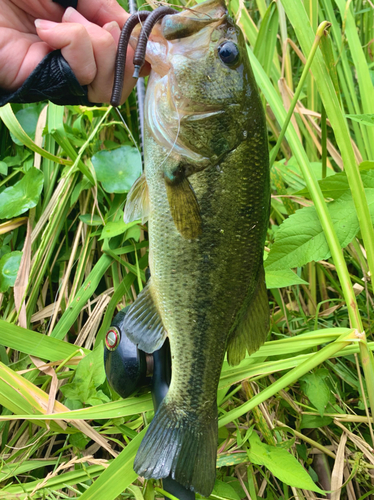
(308, 393)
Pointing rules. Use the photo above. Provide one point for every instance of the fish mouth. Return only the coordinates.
(197, 22)
(186, 36)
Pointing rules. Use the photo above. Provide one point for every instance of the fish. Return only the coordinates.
(205, 193)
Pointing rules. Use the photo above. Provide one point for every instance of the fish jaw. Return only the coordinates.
(197, 108)
(188, 22)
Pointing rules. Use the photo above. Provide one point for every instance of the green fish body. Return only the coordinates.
(206, 195)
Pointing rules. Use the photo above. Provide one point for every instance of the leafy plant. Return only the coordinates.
(296, 417)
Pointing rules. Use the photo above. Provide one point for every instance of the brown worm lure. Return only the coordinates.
(150, 19)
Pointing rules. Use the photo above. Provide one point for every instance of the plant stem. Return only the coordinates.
(320, 31)
(324, 142)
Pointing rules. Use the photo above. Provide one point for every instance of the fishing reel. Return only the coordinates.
(128, 368)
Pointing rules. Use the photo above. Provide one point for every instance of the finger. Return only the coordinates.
(102, 11)
(75, 44)
(114, 30)
(101, 88)
(104, 49)
(20, 53)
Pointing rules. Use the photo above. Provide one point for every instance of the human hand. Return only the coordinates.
(87, 39)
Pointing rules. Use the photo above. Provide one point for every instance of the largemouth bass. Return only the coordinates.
(206, 195)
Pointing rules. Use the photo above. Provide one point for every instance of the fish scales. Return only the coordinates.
(207, 185)
(200, 283)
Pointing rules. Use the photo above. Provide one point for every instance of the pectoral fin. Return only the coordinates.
(143, 324)
(184, 208)
(137, 202)
(252, 326)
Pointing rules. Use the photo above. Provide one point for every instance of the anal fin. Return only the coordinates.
(143, 324)
(184, 208)
(253, 324)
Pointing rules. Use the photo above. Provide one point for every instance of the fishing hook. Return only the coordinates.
(141, 47)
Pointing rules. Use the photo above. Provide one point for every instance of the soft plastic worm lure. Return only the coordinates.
(150, 18)
(123, 43)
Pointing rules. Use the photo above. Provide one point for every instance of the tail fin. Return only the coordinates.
(180, 443)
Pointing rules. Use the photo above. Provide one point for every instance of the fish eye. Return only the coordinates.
(228, 53)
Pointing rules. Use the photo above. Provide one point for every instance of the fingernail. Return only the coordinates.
(112, 26)
(73, 16)
(43, 24)
(68, 13)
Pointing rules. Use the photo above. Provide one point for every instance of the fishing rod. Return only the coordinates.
(127, 368)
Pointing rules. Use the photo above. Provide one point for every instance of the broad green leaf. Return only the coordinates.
(81, 186)
(366, 165)
(112, 229)
(89, 374)
(18, 159)
(235, 485)
(366, 119)
(28, 118)
(15, 200)
(337, 185)
(282, 278)
(135, 490)
(9, 265)
(316, 389)
(117, 169)
(231, 459)
(4, 249)
(300, 238)
(3, 168)
(91, 220)
(79, 440)
(292, 175)
(10, 120)
(223, 491)
(281, 463)
(133, 232)
(149, 493)
(314, 421)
